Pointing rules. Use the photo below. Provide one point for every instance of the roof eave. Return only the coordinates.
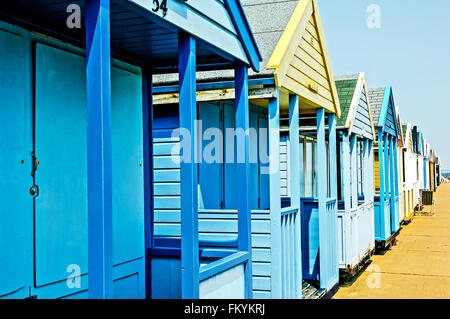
(245, 33)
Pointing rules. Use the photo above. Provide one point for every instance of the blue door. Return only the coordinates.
(61, 215)
(15, 177)
(61, 149)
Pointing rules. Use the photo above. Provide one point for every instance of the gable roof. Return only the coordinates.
(356, 113)
(383, 110)
(300, 59)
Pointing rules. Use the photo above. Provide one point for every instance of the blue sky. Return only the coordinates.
(410, 51)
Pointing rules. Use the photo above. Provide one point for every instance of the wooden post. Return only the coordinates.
(321, 169)
(147, 115)
(346, 162)
(190, 264)
(98, 71)
(354, 168)
(275, 196)
(294, 152)
(243, 174)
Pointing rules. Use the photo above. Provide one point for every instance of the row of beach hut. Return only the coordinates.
(192, 149)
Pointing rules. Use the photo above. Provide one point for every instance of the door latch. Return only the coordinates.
(35, 164)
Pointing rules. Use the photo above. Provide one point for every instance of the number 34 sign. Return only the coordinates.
(160, 5)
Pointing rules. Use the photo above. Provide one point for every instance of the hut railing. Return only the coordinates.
(291, 256)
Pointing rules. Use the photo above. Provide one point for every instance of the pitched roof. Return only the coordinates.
(345, 86)
(376, 98)
(244, 32)
(302, 47)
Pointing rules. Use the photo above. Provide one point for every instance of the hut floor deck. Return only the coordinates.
(418, 267)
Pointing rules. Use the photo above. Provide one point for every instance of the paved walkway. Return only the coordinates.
(418, 267)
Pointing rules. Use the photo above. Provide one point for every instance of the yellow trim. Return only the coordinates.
(287, 46)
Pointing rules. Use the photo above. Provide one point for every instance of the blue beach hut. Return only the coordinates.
(77, 154)
(387, 222)
(279, 96)
(356, 135)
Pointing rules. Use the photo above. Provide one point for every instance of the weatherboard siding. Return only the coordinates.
(361, 124)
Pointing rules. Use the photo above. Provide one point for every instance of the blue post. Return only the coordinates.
(147, 114)
(333, 155)
(396, 186)
(346, 162)
(294, 148)
(392, 183)
(275, 196)
(321, 159)
(98, 71)
(387, 184)
(354, 167)
(190, 264)
(294, 152)
(243, 174)
(381, 168)
(366, 171)
(333, 194)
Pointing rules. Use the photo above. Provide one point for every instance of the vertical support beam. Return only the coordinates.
(294, 136)
(396, 184)
(275, 196)
(333, 155)
(243, 174)
(392, 183)
(366, 171)
(147, 115)
(346, 162)
(321, 160)
(98, 71)
(333, 227)
(294, 150)
(381, 168)
(354, 165)
(188, 168)
(387, 168)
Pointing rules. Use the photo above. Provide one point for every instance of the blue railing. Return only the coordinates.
(291, 253)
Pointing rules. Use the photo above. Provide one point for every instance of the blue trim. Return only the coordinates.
(98, 71)
(188, 169)
(388, 101)
(243, 174)
(322, 197)
(204, 253)
(224, 264)
(147, 112)
(245, 34)
(214, 85)
(275, 197)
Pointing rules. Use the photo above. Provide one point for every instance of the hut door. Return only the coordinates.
(15, 177)
(210, 168)
(60, 148)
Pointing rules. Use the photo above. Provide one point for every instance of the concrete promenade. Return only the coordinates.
(418, 267)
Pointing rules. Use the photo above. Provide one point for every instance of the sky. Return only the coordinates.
(409, 51)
